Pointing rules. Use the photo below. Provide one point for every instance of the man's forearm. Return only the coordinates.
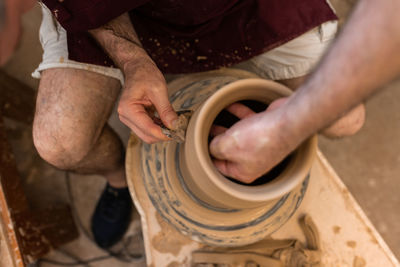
(144, 88)
(118, 38)
(364, 57)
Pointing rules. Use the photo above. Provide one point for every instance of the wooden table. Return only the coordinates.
(348, 237)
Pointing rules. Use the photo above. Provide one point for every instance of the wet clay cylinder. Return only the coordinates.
(189, 192)
(204, 180)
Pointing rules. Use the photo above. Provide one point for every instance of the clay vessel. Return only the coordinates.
(204, 180)
(190, 193)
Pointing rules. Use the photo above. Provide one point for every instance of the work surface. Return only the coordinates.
(5, 254)
(348, 237)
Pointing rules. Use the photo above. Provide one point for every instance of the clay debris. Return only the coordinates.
(268, 252)
(178, 134)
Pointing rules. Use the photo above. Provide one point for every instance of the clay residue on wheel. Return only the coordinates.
(168, 240)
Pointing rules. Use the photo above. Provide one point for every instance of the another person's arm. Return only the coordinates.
(145, 86)
(364, 57)
(10, 25)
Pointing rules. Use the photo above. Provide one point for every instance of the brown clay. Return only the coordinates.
(203, 178)
(188, 191)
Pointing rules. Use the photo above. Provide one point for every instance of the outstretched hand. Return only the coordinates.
(252, 146)
(144, 93)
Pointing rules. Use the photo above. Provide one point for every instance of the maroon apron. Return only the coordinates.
(184, 36)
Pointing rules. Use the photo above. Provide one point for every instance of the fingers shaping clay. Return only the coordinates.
(189, 192)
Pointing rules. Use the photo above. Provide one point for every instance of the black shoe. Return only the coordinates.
(112, 216)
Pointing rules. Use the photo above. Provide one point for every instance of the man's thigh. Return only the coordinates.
(72, 107)
(295, 58)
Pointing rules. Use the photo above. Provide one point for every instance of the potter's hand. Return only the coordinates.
(145, 91)
(252, 146)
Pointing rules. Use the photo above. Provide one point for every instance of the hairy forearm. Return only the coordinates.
(363, 58)
(144, 88)
(118, 38)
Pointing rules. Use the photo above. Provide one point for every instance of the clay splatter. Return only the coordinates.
(359, 262)
(373, 238)
(169, 240)
(336, 229)
(351, 243)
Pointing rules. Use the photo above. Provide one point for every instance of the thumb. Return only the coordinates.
(219, 146)
(164, 108)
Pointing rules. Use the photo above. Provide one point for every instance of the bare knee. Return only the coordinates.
(347, 125)
(72, 109)
(63, 148)
(61, 135)
(293, 83)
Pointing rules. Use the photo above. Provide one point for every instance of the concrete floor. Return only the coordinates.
(368, 162)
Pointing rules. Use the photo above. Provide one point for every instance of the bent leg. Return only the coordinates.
(70, 130)
(290, 63)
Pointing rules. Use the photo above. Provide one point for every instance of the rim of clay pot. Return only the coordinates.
(200, 161)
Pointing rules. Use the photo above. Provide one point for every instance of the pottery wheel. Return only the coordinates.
(158, 168)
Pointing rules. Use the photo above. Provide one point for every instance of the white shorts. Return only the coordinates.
(293, 59)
